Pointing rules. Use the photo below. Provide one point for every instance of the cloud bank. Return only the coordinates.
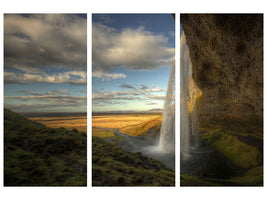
(107, 76)
(135, 49)
(44, 40)
(71, 77)
(141, 93)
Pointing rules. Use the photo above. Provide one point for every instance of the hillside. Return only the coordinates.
(35, 155)
(149, 128)
(112, 166)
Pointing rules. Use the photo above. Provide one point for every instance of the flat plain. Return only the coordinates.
(121, 121)
(131, 124)
(68, 122)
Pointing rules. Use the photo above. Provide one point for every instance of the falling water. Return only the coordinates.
(167, 132)
(186, 90)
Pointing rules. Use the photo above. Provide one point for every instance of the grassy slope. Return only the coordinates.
(112, 166)
(35, 155)
(102, 133)
(144, 129)
(108, 135)
(240, 142)
(241, 154)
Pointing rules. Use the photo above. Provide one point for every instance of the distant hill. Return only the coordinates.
(112, 166)
(35, 155)
(152, 111)
(52, 114)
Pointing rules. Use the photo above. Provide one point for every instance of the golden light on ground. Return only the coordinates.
(68, 122)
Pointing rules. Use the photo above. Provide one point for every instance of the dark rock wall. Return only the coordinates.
(227, 56)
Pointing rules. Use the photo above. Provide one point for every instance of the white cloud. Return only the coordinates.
(150, 103)
(146, 89)
(47, 107)
(48, 101)
(58, 92)
(107, 76)
(50, 40)
(156, 97)
(132, 48)
(128, 95)
(72, 77)
(142, 93)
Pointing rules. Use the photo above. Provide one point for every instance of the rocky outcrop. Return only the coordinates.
(227, 57)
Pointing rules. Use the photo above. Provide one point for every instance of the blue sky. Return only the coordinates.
(132, 55)
(45, 62)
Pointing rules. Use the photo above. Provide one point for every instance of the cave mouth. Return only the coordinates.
(197, 159)
(222, 134)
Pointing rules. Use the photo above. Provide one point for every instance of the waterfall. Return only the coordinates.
(186, 95)
(167, 131)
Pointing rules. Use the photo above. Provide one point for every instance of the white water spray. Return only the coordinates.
(167, 131)
(186, 94)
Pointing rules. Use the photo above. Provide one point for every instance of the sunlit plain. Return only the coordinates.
(68, 122)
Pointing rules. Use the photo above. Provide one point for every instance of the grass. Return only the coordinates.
(239, 140)
(253, 177)
(68, 122)
(147, 128)
(241, 154)
(187, 180)
(112, 166)
(107, 135)
(132, 124)
(35, 155)
(121, 121)
(102, 133)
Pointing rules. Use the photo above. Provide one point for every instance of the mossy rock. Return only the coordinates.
(188, 180)
(241, 154)
(253, 177)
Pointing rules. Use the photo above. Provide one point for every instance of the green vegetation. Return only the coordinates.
(251, 127)
(241, 154)
(112, 166)
(102, 133)
(238, 140)
(148, 128)
(108, 135)
(187, 180)
(35, 155)
(253, 177)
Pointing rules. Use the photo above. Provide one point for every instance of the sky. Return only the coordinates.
(132, 56)
(45, 62)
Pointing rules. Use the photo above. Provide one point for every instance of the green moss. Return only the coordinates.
(253, 177)
(240, 127)
(247, 180)
(113, 166)
(187, 180)
(257, 171)
(241, 154)
(199, 104)
(35, 155)
(102, 133)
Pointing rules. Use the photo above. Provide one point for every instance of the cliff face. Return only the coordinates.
(227, 57)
